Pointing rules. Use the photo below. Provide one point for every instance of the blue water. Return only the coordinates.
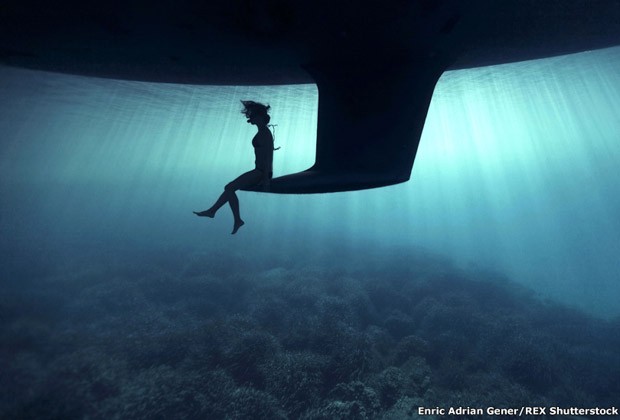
(516, 171)
(515, 181)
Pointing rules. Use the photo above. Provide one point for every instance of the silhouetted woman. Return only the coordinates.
(256, 114)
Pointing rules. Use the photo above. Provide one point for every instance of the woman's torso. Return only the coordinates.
(263, 150)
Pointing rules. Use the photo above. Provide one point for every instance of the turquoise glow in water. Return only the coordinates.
(526, 156)
(516, 171)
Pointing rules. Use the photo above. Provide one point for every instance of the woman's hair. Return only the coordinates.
(255, 108)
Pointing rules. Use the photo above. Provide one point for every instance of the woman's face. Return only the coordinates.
(256, 119)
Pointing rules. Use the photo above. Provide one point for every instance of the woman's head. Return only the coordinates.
(255, 112)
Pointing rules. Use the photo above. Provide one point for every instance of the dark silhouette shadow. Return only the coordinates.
(375, 67)
(257, 114)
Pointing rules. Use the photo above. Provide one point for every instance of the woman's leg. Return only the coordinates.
(247, 179)
(216, 206)
(233, 201)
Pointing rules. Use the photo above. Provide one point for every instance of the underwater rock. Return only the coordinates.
(391, 385)
(357, 391)
(296, 379)
(406, 408)
(249, 403)
(410, 346)
(399, 324)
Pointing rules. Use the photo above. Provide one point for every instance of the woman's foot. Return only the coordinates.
(205, 213)
(237, 226)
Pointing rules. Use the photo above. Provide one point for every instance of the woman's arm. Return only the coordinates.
(264, 151)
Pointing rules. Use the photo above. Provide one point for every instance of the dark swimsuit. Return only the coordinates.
(256, 146)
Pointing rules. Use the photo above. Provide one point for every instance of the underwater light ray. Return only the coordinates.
(517, 189)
